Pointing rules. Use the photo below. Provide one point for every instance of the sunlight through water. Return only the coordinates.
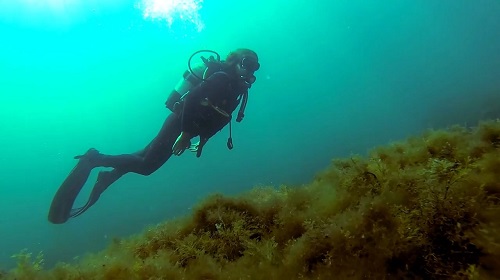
(41, 12)
(172, 10)
(59, 6)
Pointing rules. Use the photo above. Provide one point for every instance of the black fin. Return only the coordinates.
(68, 191)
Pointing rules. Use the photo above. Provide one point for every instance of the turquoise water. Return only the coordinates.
(337, 78)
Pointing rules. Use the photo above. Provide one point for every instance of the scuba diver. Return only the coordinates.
(201, 104)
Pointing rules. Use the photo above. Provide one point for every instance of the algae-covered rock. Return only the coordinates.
(424, 208)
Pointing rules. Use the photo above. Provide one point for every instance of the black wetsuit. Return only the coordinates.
(205, 110)
(220, 89)
(197, 118)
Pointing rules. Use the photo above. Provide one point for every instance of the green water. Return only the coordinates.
(337, 77)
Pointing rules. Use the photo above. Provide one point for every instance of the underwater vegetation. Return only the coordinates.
(424, 208)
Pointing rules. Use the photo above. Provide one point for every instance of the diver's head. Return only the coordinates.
(245, 63)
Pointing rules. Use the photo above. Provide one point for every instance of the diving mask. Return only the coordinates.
(249, 64)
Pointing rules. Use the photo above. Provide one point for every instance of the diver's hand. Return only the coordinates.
(182, 143)
(194, 147)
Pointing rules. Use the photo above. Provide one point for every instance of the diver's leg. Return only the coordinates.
(150, 158)
(160, 149)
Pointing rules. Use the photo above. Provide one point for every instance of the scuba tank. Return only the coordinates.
(193, 77)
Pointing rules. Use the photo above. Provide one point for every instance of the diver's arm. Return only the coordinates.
(182, 143)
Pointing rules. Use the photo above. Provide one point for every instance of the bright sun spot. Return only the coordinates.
(172, 10)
